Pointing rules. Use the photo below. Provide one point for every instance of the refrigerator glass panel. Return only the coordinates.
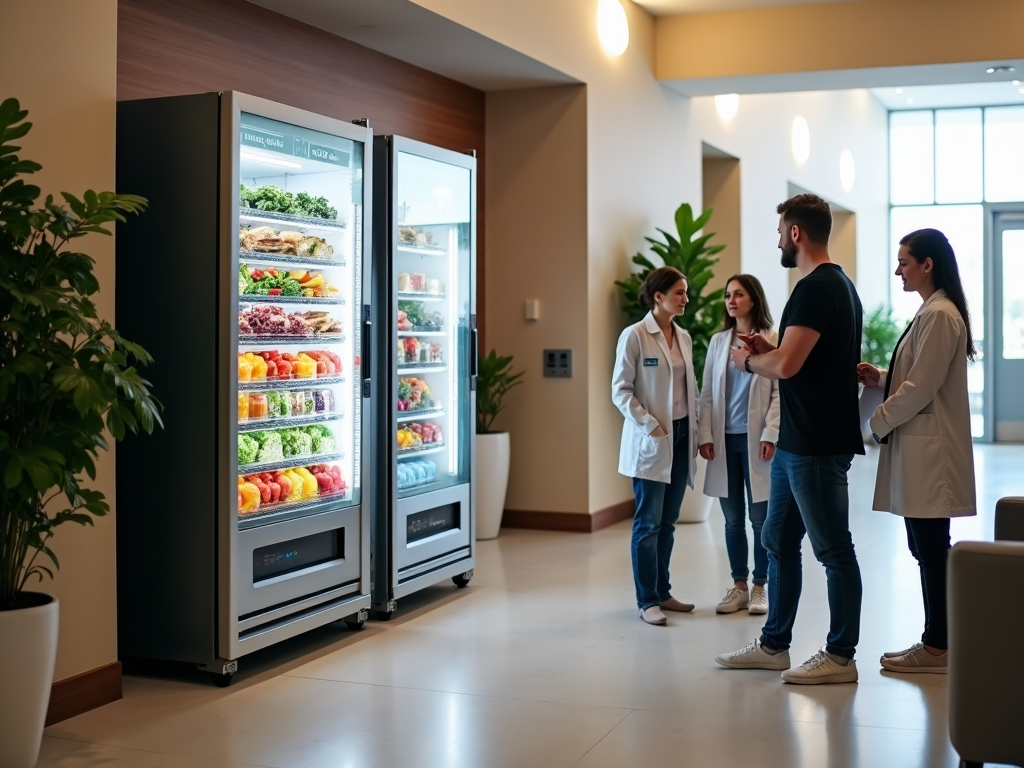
(299, 286)
(432, 272)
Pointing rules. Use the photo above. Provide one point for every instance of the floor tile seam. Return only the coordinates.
(605, 736)
(801, 720)
(458, 693)
(121, 746)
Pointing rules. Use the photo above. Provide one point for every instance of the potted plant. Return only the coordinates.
(878, 341)
(692, 256)
(493, 449)
(66, 379)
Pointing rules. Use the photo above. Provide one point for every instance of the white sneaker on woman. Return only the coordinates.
(735, 599)
(821, 669)
(917, 659)
(758, 601)
(653, 615)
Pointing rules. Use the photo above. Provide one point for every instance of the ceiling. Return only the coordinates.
(677, 7)
(413, 34)
(941, 96)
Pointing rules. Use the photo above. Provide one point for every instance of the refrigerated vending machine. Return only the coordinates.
(425, 302)
(246, 520)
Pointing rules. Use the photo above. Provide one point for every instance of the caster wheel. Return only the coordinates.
(384, 615)
(355, 626)
(462, 581)
(221, 681)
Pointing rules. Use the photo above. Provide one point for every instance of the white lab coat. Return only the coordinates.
(762, 419)
(927, 467)
(642, 389)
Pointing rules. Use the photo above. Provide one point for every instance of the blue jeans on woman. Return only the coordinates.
(734, 509)
(657, 509)
(810, 495)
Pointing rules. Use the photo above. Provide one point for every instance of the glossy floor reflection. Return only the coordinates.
(542, 661)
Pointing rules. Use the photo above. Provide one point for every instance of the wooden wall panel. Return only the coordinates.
(194, 46)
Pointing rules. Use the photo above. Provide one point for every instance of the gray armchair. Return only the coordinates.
(984, 701)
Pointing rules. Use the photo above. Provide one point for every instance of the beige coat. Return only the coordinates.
(927, 468)
(642, 390)
(762, 420)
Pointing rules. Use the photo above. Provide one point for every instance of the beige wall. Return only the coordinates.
(59, 60)
(537, 249)
(721, 192)
(803, 38)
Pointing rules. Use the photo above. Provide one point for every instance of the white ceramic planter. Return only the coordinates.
(696, 506)
(493, 453)
(28, 651)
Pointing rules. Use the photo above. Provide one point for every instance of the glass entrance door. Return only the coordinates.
(1008, 349)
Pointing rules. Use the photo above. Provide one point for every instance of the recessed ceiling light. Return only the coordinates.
(1016, 82)
(1000, 68)
(899, 91)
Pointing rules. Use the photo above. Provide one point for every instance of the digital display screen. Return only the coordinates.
(431, 522)
(296, 554)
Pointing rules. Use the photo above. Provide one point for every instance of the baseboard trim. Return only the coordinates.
(84, 691)
(568, 521)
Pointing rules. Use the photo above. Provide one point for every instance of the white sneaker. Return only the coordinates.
(758, 601)
(754, 656)
(894, 654)
(917, 659)
(735, 599)
(820, 669)
(653, 615)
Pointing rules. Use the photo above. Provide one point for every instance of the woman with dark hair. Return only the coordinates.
(926, 463)
(653, 386)
(739, 426)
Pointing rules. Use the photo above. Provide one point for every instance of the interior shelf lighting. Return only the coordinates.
(847, 170)
(800, 139)
(612, 27)
(727, 104)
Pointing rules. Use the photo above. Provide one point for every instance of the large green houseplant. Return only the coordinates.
(692, 256)
(879, 336)
(493, 449)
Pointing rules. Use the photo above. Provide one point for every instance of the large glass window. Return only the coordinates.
(1013, 294)
(912, 157)
(958, 152)
(1004, 154)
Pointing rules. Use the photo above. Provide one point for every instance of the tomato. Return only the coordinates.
(274, 292)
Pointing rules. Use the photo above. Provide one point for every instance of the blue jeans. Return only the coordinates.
(734, 509)
(810, 495)
(657, 509)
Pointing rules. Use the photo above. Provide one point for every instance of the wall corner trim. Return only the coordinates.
(568, 521)
(87, 690)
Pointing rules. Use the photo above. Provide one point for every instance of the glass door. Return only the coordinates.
(1008, 242)
(299, 290)
(432, 272)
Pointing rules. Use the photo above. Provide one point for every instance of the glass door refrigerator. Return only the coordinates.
(425, 297)
(246, 520)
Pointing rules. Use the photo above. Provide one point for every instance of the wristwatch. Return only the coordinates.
(746, 364)
(877, 438)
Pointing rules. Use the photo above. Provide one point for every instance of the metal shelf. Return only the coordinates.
(417, 296)
(268, 338)
(286, 422)
(421, 250)
(426, 413)
(424, 334)
(255, 214)
(262, 386)
(419, 485)
(424, 450)
(247, 298)
(422, 367)
(291, 463)
(275, 513)
(260, 257)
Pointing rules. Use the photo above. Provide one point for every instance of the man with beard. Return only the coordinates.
(816, 363)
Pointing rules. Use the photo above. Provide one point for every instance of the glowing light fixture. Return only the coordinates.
(1016, 82)
(269, 160)
(727, 104)
(1000, 68)
(899, 91)
(612, 27)
(847, 170)
(800, 139)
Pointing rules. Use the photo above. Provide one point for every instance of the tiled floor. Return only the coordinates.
(542, 661)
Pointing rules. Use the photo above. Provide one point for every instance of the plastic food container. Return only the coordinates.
(323, 401)
(258, 406)
(297, 403)
(243, 406)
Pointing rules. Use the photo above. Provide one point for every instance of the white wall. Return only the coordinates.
(644, 159)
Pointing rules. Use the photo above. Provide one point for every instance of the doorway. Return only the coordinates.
(721, 191)
(1007, 247)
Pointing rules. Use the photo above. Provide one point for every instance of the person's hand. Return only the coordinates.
(767, 450)
(868, 375)
(707, 450)
(755, 342)
(739, 358)
(659, 432)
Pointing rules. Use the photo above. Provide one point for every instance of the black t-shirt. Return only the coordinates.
(820, 408)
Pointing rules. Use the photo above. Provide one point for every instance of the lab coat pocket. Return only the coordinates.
(654, 455)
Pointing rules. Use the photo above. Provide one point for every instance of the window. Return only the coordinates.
(1013, 294)
(1004, 154)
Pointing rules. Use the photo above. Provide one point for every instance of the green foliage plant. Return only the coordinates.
(879, 336)
(692, 256)
(66, 376)
(493, 381)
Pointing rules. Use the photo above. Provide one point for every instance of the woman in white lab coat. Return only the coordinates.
(653, 386)
(926, 462)
(739, 426)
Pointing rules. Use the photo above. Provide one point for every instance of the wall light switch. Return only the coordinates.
(532, 309)
(558, 363)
